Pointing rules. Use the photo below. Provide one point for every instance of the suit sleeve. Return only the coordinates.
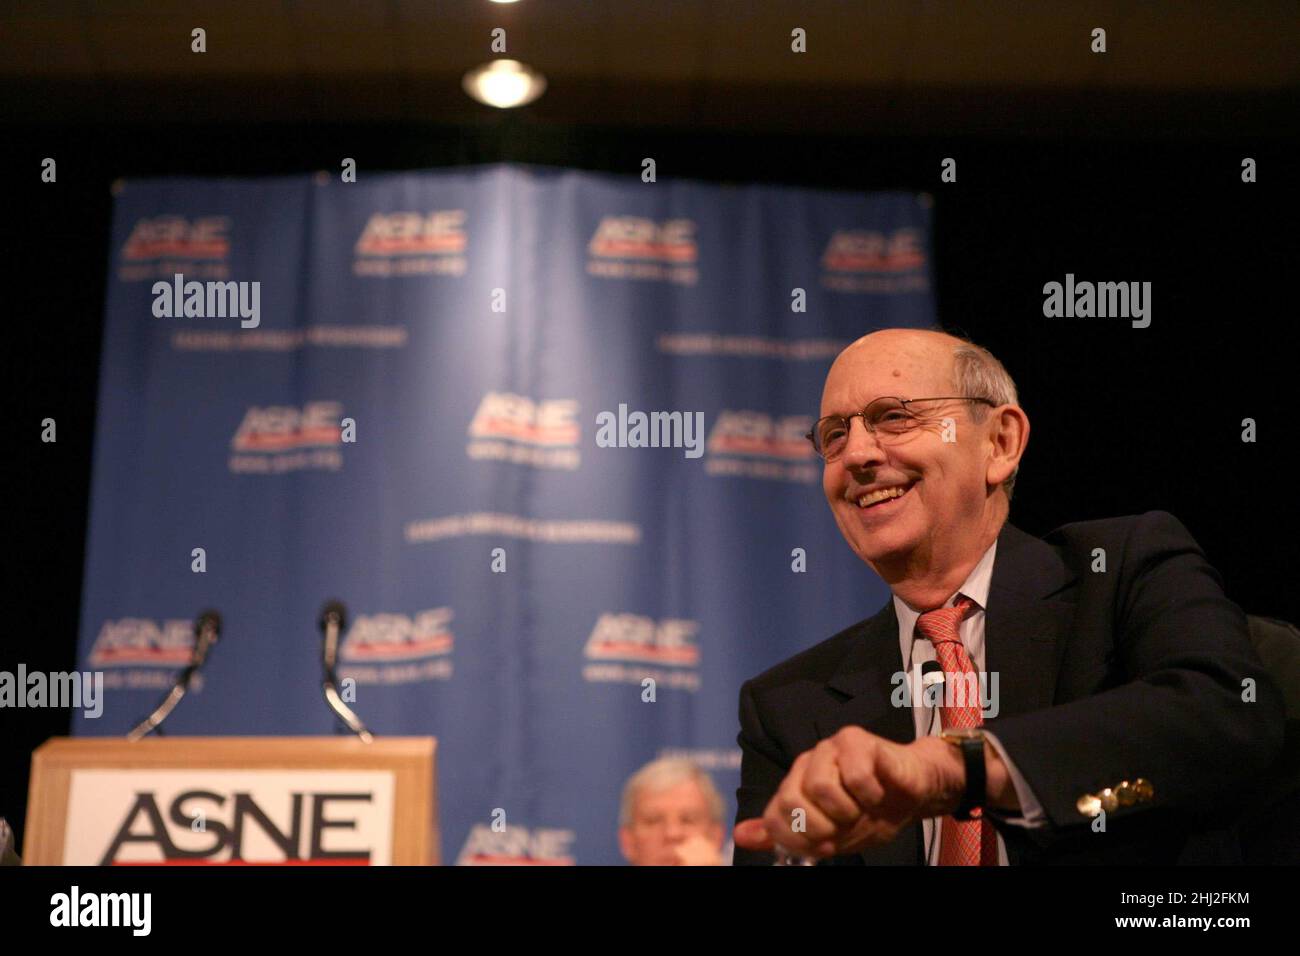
(1031, 809)
(762, 768)
(1179, 717)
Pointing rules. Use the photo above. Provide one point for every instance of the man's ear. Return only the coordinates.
(625, 844)
(1009, 436)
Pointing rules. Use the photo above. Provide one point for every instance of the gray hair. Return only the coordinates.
(663, 773)
(978, 374)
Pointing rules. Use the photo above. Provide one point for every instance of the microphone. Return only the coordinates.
(333, 619)
(932, 677)
(207, 631)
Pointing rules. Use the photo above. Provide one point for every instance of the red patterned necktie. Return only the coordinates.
(962, 842)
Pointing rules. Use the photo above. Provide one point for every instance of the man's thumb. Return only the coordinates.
(752, 835)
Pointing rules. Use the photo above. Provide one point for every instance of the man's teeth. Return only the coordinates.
(880, 495)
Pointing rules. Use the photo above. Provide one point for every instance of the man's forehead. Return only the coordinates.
(852, 385)
(684, 791)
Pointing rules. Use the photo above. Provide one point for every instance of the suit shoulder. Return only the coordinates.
(1150, 528)
(818, 663)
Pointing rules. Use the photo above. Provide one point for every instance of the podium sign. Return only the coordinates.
(177, 801)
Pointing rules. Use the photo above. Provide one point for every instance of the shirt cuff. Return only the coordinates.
(1032, 815)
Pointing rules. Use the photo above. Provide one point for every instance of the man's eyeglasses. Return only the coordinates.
(886, 418)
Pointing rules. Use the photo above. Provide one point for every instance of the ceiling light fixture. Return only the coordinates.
(504, 83)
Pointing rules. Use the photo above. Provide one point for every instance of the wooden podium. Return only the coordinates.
(167, 801)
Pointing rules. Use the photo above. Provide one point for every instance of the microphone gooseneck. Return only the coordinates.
(207, 631)
(332, 621)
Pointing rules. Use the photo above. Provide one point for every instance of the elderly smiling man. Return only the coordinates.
(1132, 712)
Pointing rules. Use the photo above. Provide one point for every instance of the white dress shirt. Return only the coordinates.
(916, 650)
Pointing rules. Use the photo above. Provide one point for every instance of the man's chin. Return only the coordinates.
(884, 547)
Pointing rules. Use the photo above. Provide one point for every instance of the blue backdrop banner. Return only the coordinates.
(542, 431)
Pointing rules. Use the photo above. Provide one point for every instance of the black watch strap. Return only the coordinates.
(972, 751)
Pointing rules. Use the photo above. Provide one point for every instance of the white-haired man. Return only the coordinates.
(671, 815)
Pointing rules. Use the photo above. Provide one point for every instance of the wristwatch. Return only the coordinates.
(970, 740)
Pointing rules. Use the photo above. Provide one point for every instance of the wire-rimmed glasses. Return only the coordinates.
(886, 417)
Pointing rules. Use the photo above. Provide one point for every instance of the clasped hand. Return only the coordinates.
(855, 790)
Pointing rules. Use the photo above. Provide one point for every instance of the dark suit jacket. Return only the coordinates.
(1105, 676)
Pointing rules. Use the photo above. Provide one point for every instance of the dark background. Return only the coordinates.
(1112, 185)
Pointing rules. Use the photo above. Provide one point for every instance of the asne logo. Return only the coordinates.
(408, 233)
(194, 815)
(133, 642)
(278, 428)
(761, 435)
(870, 251)
(632, 237)
(176, 237)
(517, 418)
(516, 845)
(632, 637)
(393, 637)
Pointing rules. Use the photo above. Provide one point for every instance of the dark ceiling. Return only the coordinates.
(885, 67)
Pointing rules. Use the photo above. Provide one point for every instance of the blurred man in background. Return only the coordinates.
(671, 815)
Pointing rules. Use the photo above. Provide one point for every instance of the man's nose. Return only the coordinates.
(862, 448)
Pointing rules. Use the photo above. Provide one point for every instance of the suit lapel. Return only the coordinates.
(861, 685)
(860, 690)
(1023, 625)
(1024, 622)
